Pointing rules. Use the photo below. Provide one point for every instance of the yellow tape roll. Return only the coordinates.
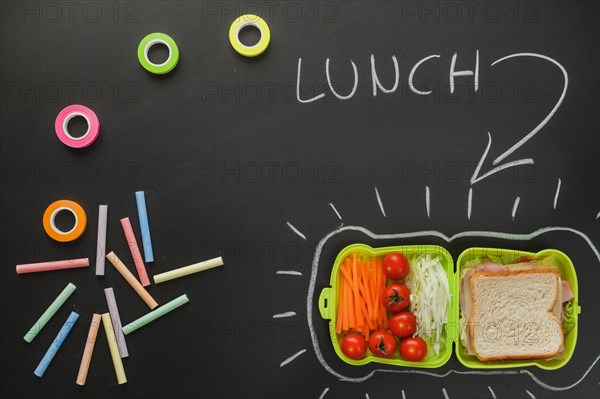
(242, 22)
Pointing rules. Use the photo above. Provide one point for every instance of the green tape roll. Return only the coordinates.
(151, 40)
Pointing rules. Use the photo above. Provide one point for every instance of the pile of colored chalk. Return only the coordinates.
(114, 329)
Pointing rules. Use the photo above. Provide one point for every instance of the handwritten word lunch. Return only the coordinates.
(472, 73)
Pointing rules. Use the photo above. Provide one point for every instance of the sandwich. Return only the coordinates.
(513, 311)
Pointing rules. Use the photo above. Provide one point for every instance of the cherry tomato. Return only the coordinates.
(395, 266)
(413, 349)
(382, 344)
(403, 324)
(354, 346)
(395, 297)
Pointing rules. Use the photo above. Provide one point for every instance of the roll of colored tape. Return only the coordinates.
(151, 40)
(241, 23)
(50, 215)
(62, 130)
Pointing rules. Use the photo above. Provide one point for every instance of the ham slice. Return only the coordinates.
(567, 294)
(491, 267)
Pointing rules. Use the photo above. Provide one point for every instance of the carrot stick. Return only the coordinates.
(351, 311)
(345, 300)
(363, 303)
(345, 273)
(340, 314)
(365, 286)
(375, 295)
(382, 288)
(357, 299)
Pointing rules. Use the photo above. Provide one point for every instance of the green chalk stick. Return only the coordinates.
(47, 315)
(155, 314)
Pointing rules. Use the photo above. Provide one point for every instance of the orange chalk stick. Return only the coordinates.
(127, 275)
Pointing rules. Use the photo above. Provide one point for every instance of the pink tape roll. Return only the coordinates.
(62, 121)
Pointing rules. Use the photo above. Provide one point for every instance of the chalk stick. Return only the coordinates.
(186, 270)
(140, 199)
(56, 344)
(51, 311)
(50, 266)
(155, 314)
(116, 320)
(135, 252)
(88, 350)
(114, 349)
(127, 275)
(101, 243)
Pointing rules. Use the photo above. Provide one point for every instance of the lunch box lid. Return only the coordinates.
(328, 303)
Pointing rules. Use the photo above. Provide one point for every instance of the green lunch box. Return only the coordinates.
(328, 304)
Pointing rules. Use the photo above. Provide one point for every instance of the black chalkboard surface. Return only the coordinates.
(239, 158)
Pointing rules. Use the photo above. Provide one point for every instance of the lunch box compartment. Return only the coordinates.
(567, 273)
(329, 300)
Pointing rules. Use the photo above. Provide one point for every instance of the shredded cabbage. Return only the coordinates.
(429, 298)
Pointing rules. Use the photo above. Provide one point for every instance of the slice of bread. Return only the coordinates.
(512, 314)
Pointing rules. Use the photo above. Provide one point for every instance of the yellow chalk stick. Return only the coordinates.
(184, 271)
(114, 349)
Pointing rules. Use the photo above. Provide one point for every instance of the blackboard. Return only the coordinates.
(233, 164)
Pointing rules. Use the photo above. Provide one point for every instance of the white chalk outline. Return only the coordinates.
(403, 394)
(324, 393)
(445, 393)
(548, 117)
(335, 93)
(284, 314)
(492, 392)
(335, 210)
(475, 178)
(289, 272)
(315, 98)
(470, 203)
(532, 396)
(465, 72)
(292, 358)
(515, 207)
(598, 216)
(427, 202)
(295, 230)
(557, 193)
(411, 75)
(375, 79)
(379, 202)
(433, 233)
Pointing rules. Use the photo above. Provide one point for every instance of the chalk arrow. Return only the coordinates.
(526, 161)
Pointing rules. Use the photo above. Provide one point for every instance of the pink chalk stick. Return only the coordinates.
(49, 266)
(135, 252)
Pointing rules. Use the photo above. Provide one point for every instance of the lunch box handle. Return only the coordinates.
(325, 304)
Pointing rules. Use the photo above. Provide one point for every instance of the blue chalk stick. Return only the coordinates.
(55, 345)
(144, 226)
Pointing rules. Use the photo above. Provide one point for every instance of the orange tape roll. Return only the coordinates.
(64, 205)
